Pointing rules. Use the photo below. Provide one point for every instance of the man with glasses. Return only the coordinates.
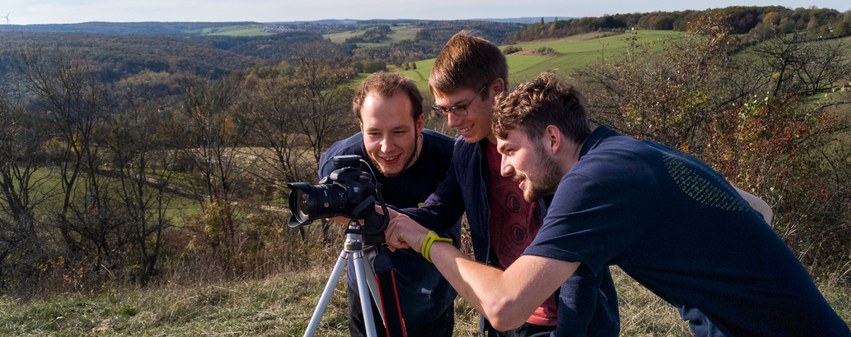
(468, 74)
(410, 162)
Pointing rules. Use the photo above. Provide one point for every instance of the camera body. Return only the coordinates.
(348, 191)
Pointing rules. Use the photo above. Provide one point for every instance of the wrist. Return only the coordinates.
(428, 241)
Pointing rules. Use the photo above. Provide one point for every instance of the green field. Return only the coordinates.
(235, 31)
(573, 53)
(400, 33)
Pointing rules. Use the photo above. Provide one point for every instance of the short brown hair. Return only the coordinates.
(467, 61)
(534, 105)
(385, 85)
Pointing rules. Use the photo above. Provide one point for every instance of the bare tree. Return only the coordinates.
(212, 140)
(141, 163)
(268, 117)
(75, 102)
(801, 65)
(20, 192)
(320, 102)
(297, 110)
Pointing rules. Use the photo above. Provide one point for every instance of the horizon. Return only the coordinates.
(33, 12)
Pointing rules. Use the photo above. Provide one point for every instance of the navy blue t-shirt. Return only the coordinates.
(678, 228)
(423, 292)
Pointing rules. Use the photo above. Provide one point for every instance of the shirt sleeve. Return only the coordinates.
(443, 208)
(586, 223)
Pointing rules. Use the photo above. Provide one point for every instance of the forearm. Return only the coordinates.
(507, 298)
(480, 285)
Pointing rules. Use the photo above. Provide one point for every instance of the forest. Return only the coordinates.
(139, 160)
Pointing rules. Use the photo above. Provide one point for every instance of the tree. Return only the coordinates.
(206, 123)
(21, 159)
(801, 65)
(75, 103)
(141, 163)
(297, 111)
(321, 102)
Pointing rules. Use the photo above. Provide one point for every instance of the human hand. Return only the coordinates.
(403, 232)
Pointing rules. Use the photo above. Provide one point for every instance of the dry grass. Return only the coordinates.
(280, 305)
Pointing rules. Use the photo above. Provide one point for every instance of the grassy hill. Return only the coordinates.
(281, 305)
(400, 33)
(570, 54)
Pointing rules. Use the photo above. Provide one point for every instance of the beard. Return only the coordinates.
(408, 162)
(547, 177)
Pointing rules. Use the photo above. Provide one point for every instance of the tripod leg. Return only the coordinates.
(363, 292)
(369, 255)
(326, 294)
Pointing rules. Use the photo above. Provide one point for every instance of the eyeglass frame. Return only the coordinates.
(456, 108)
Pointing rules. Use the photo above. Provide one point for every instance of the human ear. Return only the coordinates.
(554, 137)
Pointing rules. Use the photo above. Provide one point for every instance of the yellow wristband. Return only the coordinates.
(428, 240)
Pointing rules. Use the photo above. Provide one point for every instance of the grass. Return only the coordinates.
(280, 305)
(237, 31)
(400, 33)
(47, 194)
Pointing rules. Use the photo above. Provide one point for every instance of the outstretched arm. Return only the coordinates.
(507, 298)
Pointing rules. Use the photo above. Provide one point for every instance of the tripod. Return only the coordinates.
(353, 249)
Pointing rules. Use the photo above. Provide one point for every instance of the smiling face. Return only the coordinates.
(475, 125)
(390, 135)
(530, 164)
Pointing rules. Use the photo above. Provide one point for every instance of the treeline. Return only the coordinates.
(376, 34)
(123, 57)
(126, 28)
(758, 22)
(114, 58)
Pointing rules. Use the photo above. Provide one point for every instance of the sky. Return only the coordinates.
(25, 12)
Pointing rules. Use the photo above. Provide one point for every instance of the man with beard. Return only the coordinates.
(409, 162)
(665, 218)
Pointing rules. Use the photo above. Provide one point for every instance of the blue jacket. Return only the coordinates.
(591, 299)
(424, 293)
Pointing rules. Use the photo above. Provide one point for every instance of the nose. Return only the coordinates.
(452, 120)
(385, 144)
(505, 168)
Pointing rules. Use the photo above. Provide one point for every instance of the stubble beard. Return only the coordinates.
(408, 163)
(547, 183)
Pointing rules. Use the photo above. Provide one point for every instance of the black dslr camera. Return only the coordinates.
(348, 191)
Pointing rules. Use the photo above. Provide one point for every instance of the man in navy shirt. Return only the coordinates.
(665, 218)
(409, 163)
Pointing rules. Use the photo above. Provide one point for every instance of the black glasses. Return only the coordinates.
(457, 110)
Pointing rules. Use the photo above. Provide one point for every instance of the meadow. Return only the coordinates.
(281, 305)
(399, 33)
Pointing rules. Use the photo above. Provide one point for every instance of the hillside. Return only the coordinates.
(118, 57)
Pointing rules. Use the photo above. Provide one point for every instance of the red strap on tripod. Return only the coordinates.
(385, 278)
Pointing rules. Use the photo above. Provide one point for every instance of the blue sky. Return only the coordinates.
(73, 11)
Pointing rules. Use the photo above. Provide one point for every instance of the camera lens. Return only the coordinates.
(310, 202)
(302, 203)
